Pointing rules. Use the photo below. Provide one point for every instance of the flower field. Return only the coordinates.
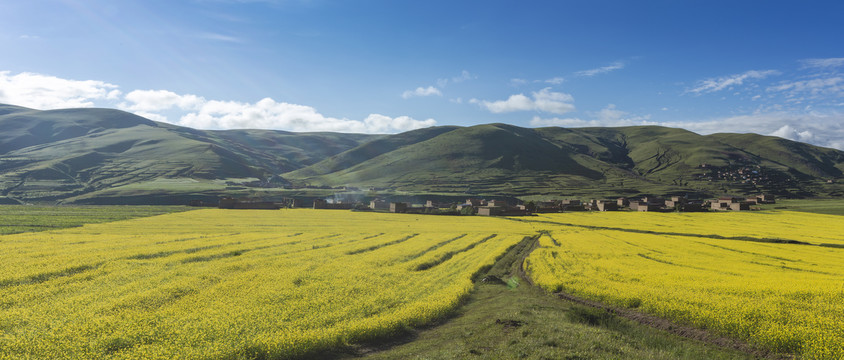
(235, 284)
(232, 284)
(785, 297)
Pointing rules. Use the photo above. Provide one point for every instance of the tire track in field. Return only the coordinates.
(49, 275)
(166, 253)
(376, 247)
(651, 232)
(242, 251)
(432, 248)
(445, 257)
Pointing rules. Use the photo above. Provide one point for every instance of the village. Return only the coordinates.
(493, 207)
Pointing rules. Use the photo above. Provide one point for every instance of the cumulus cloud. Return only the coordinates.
(823, 129)
(601, 70)
(158, 100)
(269, 114)
(544, 100)
(608, 116)
(821, 63)
(788, 132)
(726, 82)
(264, 114)
(49, 92)
(421, 91)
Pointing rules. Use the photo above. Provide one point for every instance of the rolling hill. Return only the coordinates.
(110, 156)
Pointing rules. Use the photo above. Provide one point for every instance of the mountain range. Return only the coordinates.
(110, 156)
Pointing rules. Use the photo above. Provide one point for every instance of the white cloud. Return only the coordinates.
(269, 114)
(464, 75)
(377, 123)
(821, 63)
(608, 116)
(833, 85)
(545, 100)
(420, 91)
(158, 100)
(49, 92)
(726, 82)
(601, 70)
(823, 129)
(788, 132)
(152, 116)
(555, 80)
(517, 82)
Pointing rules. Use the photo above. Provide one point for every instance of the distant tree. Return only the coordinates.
(530, 206)
(467, 211)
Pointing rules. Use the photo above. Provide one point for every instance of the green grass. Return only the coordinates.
(819, 206)
(25, 218)
(108, 156)
(507, 318)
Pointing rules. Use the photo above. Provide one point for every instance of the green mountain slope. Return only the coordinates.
(500, 158)
(83, 154)
(50, 155)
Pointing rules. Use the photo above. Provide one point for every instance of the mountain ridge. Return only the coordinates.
(78, 155)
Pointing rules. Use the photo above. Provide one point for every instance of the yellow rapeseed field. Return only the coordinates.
(235, 284)
(786, 297)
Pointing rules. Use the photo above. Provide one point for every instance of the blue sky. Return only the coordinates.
(770, 67)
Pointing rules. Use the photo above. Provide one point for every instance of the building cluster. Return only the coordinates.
(231, 203)
(336, 205)
(738, 204)
(473, 206)
(745, 174)
(503, 208)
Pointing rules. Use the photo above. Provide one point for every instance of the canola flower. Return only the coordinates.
(785, 297)
(245, 284)
(236, 284)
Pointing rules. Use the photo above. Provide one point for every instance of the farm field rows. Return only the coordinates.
(231, 284)
(236, 284)
(785, 297)
(795, 226)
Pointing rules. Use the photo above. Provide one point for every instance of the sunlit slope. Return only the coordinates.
(484, 156)
(62, 153)
(784, 154)
(370, 150)
(236, 284)
(785, 297)
(661, 151)
(84, 154)
(510, 159)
